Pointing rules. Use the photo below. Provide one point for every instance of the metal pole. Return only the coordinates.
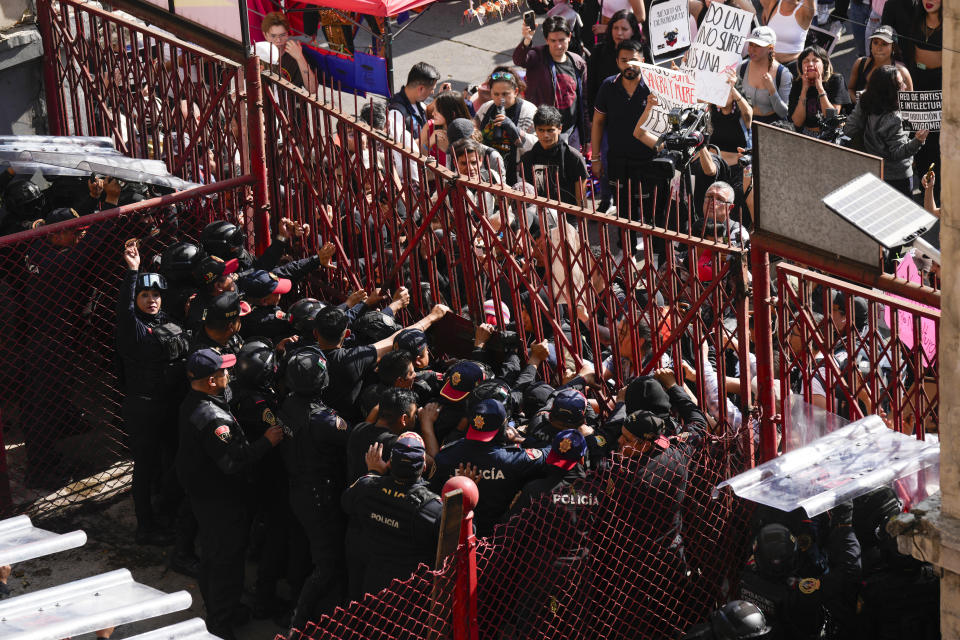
(465, 590)
(763, 341)
(51, 85)
(258, 155)
(388, 52)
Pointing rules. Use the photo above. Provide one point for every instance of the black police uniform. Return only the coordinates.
(361, 437)
(214, 464)
(400, 526)
(315, 462)
(201, 340)
(348, 367)
(797, 606)
(503, 471)
(256, 409)
(267, 321)
(151, 351)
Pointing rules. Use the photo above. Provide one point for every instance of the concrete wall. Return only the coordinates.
(22, 110)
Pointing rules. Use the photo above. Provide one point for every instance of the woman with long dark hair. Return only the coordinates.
(923, 55)
(446, 107)
(815, 90)
(876, 120)
(602, 64)
(883, 51)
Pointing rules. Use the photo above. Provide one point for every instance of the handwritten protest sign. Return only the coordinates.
(907, 270)
(669, 29)
(922, 109)
(716, 52)
(674, 89)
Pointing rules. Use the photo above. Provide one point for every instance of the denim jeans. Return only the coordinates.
(859, 14)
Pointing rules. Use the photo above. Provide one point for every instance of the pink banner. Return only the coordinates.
(907, 270)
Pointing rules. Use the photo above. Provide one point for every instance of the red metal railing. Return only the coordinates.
(861, 350)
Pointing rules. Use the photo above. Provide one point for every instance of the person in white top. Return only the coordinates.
(790, 19)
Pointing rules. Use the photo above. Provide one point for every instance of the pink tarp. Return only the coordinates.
(371, 7)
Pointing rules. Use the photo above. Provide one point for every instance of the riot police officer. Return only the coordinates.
(315, 461)
(256, 404)
(221, 325)
(211, 277)
(213, 463)
(151, 350)
(736, 620)
(398, 515)
(498, 469)
(566, 409)
(176, 265)
(225, 240)
(23, 203)
(797, 605)
(263, 290)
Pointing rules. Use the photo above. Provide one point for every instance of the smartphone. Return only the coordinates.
(530, 19)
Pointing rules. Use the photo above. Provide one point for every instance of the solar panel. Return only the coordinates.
(879, 210)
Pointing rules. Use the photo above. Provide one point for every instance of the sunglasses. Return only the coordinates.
(502, 75)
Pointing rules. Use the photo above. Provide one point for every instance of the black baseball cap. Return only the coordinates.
(413, 341)
(259, 284)
(486, 420)
(645, 425)
(568, 448)
(461, 378)
(648, 394)
(205, 362)
(211, 268)
(226, 306)
(374, 326)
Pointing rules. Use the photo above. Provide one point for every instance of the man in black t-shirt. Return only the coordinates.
(552, 161)
(293, 65)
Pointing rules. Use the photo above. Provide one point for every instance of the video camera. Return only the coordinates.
(831, 127)
(686, 133)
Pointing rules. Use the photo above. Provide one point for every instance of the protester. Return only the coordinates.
(876, 121)
(763, 81)
(790, 20)
(406, 105)
(883, 51)
(296, 69)
(551, 163)
(816, 90)
(556, 77)
(447, 107)
(506, 121)
(623, 25)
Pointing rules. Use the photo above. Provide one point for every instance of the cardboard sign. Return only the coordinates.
(669, 24)
(674, 89)
(907, 270)
(716, 52)
(922, 109)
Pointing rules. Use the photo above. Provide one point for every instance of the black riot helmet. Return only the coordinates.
(223, 239)
(776, 552)
(256, 363)
(739, 620)
(307, 372)
(495, 389)
(736, 620)
(178, 260)
(24, 200)
(302, 314)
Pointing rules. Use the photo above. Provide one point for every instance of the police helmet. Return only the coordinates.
(739, 620)
(223, 239)
(178, 260)
(24, 199)
(256, 363)
(871, 512)
(307, 372)
(302, 314)
(491, 389)
(776, 552)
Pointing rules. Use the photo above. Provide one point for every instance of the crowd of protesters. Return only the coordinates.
(319, 432)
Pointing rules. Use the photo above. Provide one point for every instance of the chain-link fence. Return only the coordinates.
(62, 430)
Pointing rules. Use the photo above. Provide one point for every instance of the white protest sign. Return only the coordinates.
(674, 89)
(716, 52)
(922, 109)
(669, 23)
